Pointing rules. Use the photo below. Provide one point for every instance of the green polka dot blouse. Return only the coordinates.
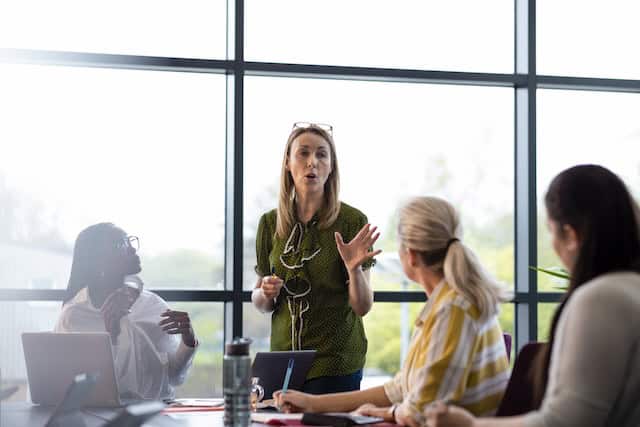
(312, 311)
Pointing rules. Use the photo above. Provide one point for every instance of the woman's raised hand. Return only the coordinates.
(358, 250)
(178, 322)
(115, 307)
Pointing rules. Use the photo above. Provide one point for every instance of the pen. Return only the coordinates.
(273, 276)
(287, 377)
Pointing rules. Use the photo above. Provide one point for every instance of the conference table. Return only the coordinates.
(18, 414)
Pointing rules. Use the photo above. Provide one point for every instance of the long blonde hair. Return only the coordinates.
(431, 226)
(286, 203)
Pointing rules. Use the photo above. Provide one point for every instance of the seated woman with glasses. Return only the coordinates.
(589, 374)
(457, 352)
(153, 346)
(316, 285)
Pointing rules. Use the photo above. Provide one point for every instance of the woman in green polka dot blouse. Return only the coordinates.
(315, 285)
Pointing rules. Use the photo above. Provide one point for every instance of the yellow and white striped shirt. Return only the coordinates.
(454, 355)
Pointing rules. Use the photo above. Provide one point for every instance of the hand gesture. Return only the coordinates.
(358, 250)
(440, 414)
(271, 286)
(293, 401)
(178, 322)
(115, 307)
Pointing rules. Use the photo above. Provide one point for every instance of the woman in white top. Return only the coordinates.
(153, 346)
(590, 372)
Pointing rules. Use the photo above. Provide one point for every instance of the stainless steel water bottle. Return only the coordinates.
(236, 383)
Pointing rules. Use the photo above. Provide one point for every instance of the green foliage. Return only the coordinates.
(561, 273)
(383, 328)
(560, 276)
(545, 314)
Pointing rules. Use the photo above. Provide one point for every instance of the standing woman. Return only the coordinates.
(316, 285)
(590, 373)
(153, 346)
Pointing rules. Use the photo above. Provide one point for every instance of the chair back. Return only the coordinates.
(518, 397)
(507, 344)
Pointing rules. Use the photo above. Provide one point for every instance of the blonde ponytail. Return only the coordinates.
(431, 226)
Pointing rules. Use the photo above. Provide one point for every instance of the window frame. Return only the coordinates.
(524, 81)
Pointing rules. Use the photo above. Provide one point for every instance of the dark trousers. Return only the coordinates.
(338, 384)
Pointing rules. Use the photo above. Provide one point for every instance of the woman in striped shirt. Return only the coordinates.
(457, 351)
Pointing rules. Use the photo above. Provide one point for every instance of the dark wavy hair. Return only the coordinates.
(596, 203)
(88, 256)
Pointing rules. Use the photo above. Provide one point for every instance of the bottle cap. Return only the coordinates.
(237, 347)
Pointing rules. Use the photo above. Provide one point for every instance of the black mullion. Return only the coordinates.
(238, 163)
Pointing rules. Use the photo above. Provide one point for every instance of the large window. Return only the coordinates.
(394, 140)
(580, 128)
(188, 29)
(460, 35)
(585, 39)
(170, 120)
(142, 149)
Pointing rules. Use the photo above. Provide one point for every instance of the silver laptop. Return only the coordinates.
(54, 359)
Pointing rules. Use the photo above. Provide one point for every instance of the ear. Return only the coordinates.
(412, 257)
(571, 238)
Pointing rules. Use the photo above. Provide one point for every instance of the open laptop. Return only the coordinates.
(54, 359)
(271, 367)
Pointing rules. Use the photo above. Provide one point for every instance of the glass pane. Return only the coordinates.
(506, 318)
(462, 35)
(588, 39)
(142, 149)
(388, 327)
(576, 127)
(205, 376)
(393, 141)
(545, 315)
(190, 28)
(16, 318)
(256, 325)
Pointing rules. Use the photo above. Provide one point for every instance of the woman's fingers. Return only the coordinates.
(374, 253)
(120, 298)
(169, 313)
(365, 238)
(373, 239)
(368, 255)
(175, 322)
(291, 401)
(271, 286)
(176, 325)
(366, 409)
(174, 318)
(364, 231)
(370, 231)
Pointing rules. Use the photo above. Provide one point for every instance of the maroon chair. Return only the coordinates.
(507, 344)
(518, 397)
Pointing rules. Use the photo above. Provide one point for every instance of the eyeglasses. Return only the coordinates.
(306, 125)
(129, 242)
